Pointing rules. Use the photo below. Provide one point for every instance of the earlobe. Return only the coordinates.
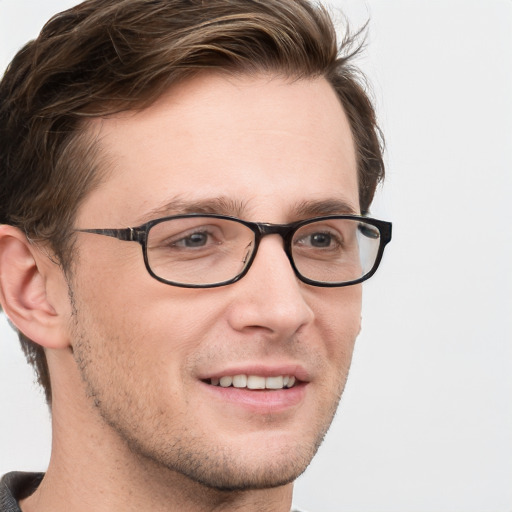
(24, 277)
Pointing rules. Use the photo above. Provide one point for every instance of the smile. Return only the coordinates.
(254, 382)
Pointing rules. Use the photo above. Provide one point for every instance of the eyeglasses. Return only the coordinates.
(206, 251)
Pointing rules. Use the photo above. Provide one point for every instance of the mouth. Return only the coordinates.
(259, 389)
(254, 382)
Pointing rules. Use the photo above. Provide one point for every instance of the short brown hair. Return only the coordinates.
(107, 56)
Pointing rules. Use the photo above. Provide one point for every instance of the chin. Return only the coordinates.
(261, 461)
(255, 465)
(230, 476)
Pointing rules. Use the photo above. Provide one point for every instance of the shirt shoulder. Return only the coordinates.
(16, 486)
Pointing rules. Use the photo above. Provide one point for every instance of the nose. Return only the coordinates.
(270, 297)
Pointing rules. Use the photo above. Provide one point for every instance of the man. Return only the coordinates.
(184, 187)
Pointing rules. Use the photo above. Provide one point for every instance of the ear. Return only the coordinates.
(26, 275)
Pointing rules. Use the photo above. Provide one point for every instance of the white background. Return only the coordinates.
(426, 420)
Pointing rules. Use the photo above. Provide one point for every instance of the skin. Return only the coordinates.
(135, 425)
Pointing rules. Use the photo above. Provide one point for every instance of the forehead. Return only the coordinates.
(265, 144)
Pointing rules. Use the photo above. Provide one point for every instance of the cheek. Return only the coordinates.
(140, 318)
(339, 319)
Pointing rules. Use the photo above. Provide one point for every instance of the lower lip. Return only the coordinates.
(260, 401)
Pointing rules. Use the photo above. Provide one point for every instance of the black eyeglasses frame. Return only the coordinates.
(140, 234)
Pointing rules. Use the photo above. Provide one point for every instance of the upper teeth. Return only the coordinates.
(254, 381)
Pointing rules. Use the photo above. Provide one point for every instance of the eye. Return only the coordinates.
(199, 239)
(194, 241)
(325, 239)
(320, 239)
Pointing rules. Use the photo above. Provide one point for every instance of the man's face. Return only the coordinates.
(262, 149)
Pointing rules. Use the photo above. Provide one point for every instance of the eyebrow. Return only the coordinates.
(324, 207)
(178, 206)
(236, 208)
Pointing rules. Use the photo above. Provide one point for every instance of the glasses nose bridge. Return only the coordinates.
(285, 231)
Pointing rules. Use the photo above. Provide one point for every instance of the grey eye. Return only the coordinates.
(320, 240)
(194, 240)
